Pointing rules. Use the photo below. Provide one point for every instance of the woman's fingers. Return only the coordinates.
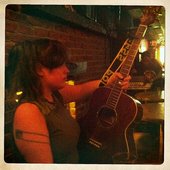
(124, 82)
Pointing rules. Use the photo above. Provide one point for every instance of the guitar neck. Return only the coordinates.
(126, 67)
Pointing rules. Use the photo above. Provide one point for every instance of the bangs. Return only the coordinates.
(53, 54)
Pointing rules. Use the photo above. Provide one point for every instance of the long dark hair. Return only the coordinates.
(23, 59)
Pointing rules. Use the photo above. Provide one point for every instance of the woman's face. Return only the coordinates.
(55, 78)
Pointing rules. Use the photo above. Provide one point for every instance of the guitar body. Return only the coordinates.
(107, 133)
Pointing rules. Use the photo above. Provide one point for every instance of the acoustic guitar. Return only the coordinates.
(107, 128)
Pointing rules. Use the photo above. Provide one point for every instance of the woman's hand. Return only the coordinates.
(124, 83)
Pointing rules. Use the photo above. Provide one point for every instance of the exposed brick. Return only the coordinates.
(22, 28)
(9, 45)
(40, 32)
(97, 62)
(38, 22)
(11, 26)
(54, 35)
(17, 37)
(70, 44)
(9, 36)
(16, 16)
(64, 37)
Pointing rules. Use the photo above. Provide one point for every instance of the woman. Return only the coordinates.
(43, 130)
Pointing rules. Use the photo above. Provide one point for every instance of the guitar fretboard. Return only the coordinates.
(126, 67)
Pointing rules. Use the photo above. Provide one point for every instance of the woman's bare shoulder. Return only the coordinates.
(28, 115)
(30, 108)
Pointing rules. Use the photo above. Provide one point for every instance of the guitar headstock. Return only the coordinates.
(150, 15)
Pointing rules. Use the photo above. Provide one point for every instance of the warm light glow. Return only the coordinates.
(162, 54)
(143, 46)
(70, 82)
(19, 93)
(72, 105)
(16, 100)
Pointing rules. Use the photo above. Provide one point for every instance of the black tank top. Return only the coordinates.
(63, 130)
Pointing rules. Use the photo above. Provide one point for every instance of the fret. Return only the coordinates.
(112, 101)
(141, 31)
(112, 105)
(117, 90)
(137, 40)
(115, 93)
(132, 52)
(118, 86)
(142, 28)
(139, 35)
(128, 62)
(129, 57)
(123, 71)
(135, 46)
(112, 98)
(126, 67)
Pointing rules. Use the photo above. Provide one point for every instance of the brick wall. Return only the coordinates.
(83, 45)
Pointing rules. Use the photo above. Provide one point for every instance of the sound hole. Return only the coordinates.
(107, 117)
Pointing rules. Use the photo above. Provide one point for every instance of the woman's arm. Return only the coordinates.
(77, 92)
(31, 134)
(72, 93)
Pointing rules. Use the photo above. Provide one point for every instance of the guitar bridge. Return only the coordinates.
(95, 143)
